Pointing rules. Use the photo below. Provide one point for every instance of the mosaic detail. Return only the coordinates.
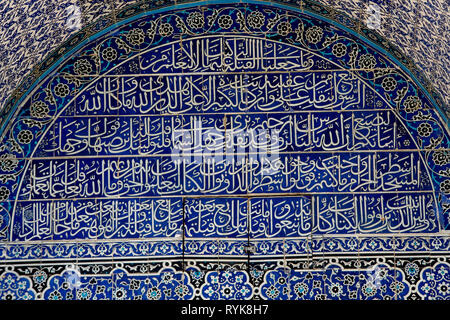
(381, 86)
(434, 283)
(14, 287)
(270, 249)
(392, 279)
(200, 135)
(119, 285)
(417, 28)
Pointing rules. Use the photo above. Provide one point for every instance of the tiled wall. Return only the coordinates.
(29, 30)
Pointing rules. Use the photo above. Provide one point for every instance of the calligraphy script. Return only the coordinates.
(230, 137)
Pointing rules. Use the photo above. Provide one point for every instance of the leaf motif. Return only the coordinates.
(401, 93)
(445, 173)
(353, 54)
(4, 178)
(33, 123)
(49, 96)
(330, 40)
(96, 56)
(122, 45)
(241, 20)
(299, 31)
(212, 17)
(421, 117)
(273, 21)
(180, 24)
(70, 79)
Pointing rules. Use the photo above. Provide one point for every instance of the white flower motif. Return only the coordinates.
(195, 20)
(339, 50)
(225, 21)
(389, 83)
(39, 110)
(284, 28)
(165, 30)
(256, 19)
(25, 136)
(109, 54)
(367, 61)
(136, 36)
(314, 34)
(227, 291)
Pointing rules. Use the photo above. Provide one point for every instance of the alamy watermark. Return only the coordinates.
(73, 21)
(211, 146)
(72, 277)
(375, 276)
(373, 11)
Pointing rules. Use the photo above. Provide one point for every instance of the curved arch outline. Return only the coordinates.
(8, 109)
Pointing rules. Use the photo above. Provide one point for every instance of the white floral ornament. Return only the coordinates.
(369, 289)
(62, 90)
(301, 289)
(84, 294)
(284, 28)
(4, 193)
(109, 54)
(441, 157)
(445, 186)
(227, 291)
(367, 61)
(120, 294)
(272, 292)
(195, 20)
(412, 269)
(336, 289)
(25, 136)
(425, 129)
(153, 293)
(314, 34)
(82, 67)
(389, 84)
(39, 110)
(135, 36)
(444, 288)
(412, 104)
(39, 277)
(339, 50)
(225, 21)
(256, 19)
(165, 30)
(8, 162)
(181, 290)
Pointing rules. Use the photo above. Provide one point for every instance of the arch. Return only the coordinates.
(252, 132)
